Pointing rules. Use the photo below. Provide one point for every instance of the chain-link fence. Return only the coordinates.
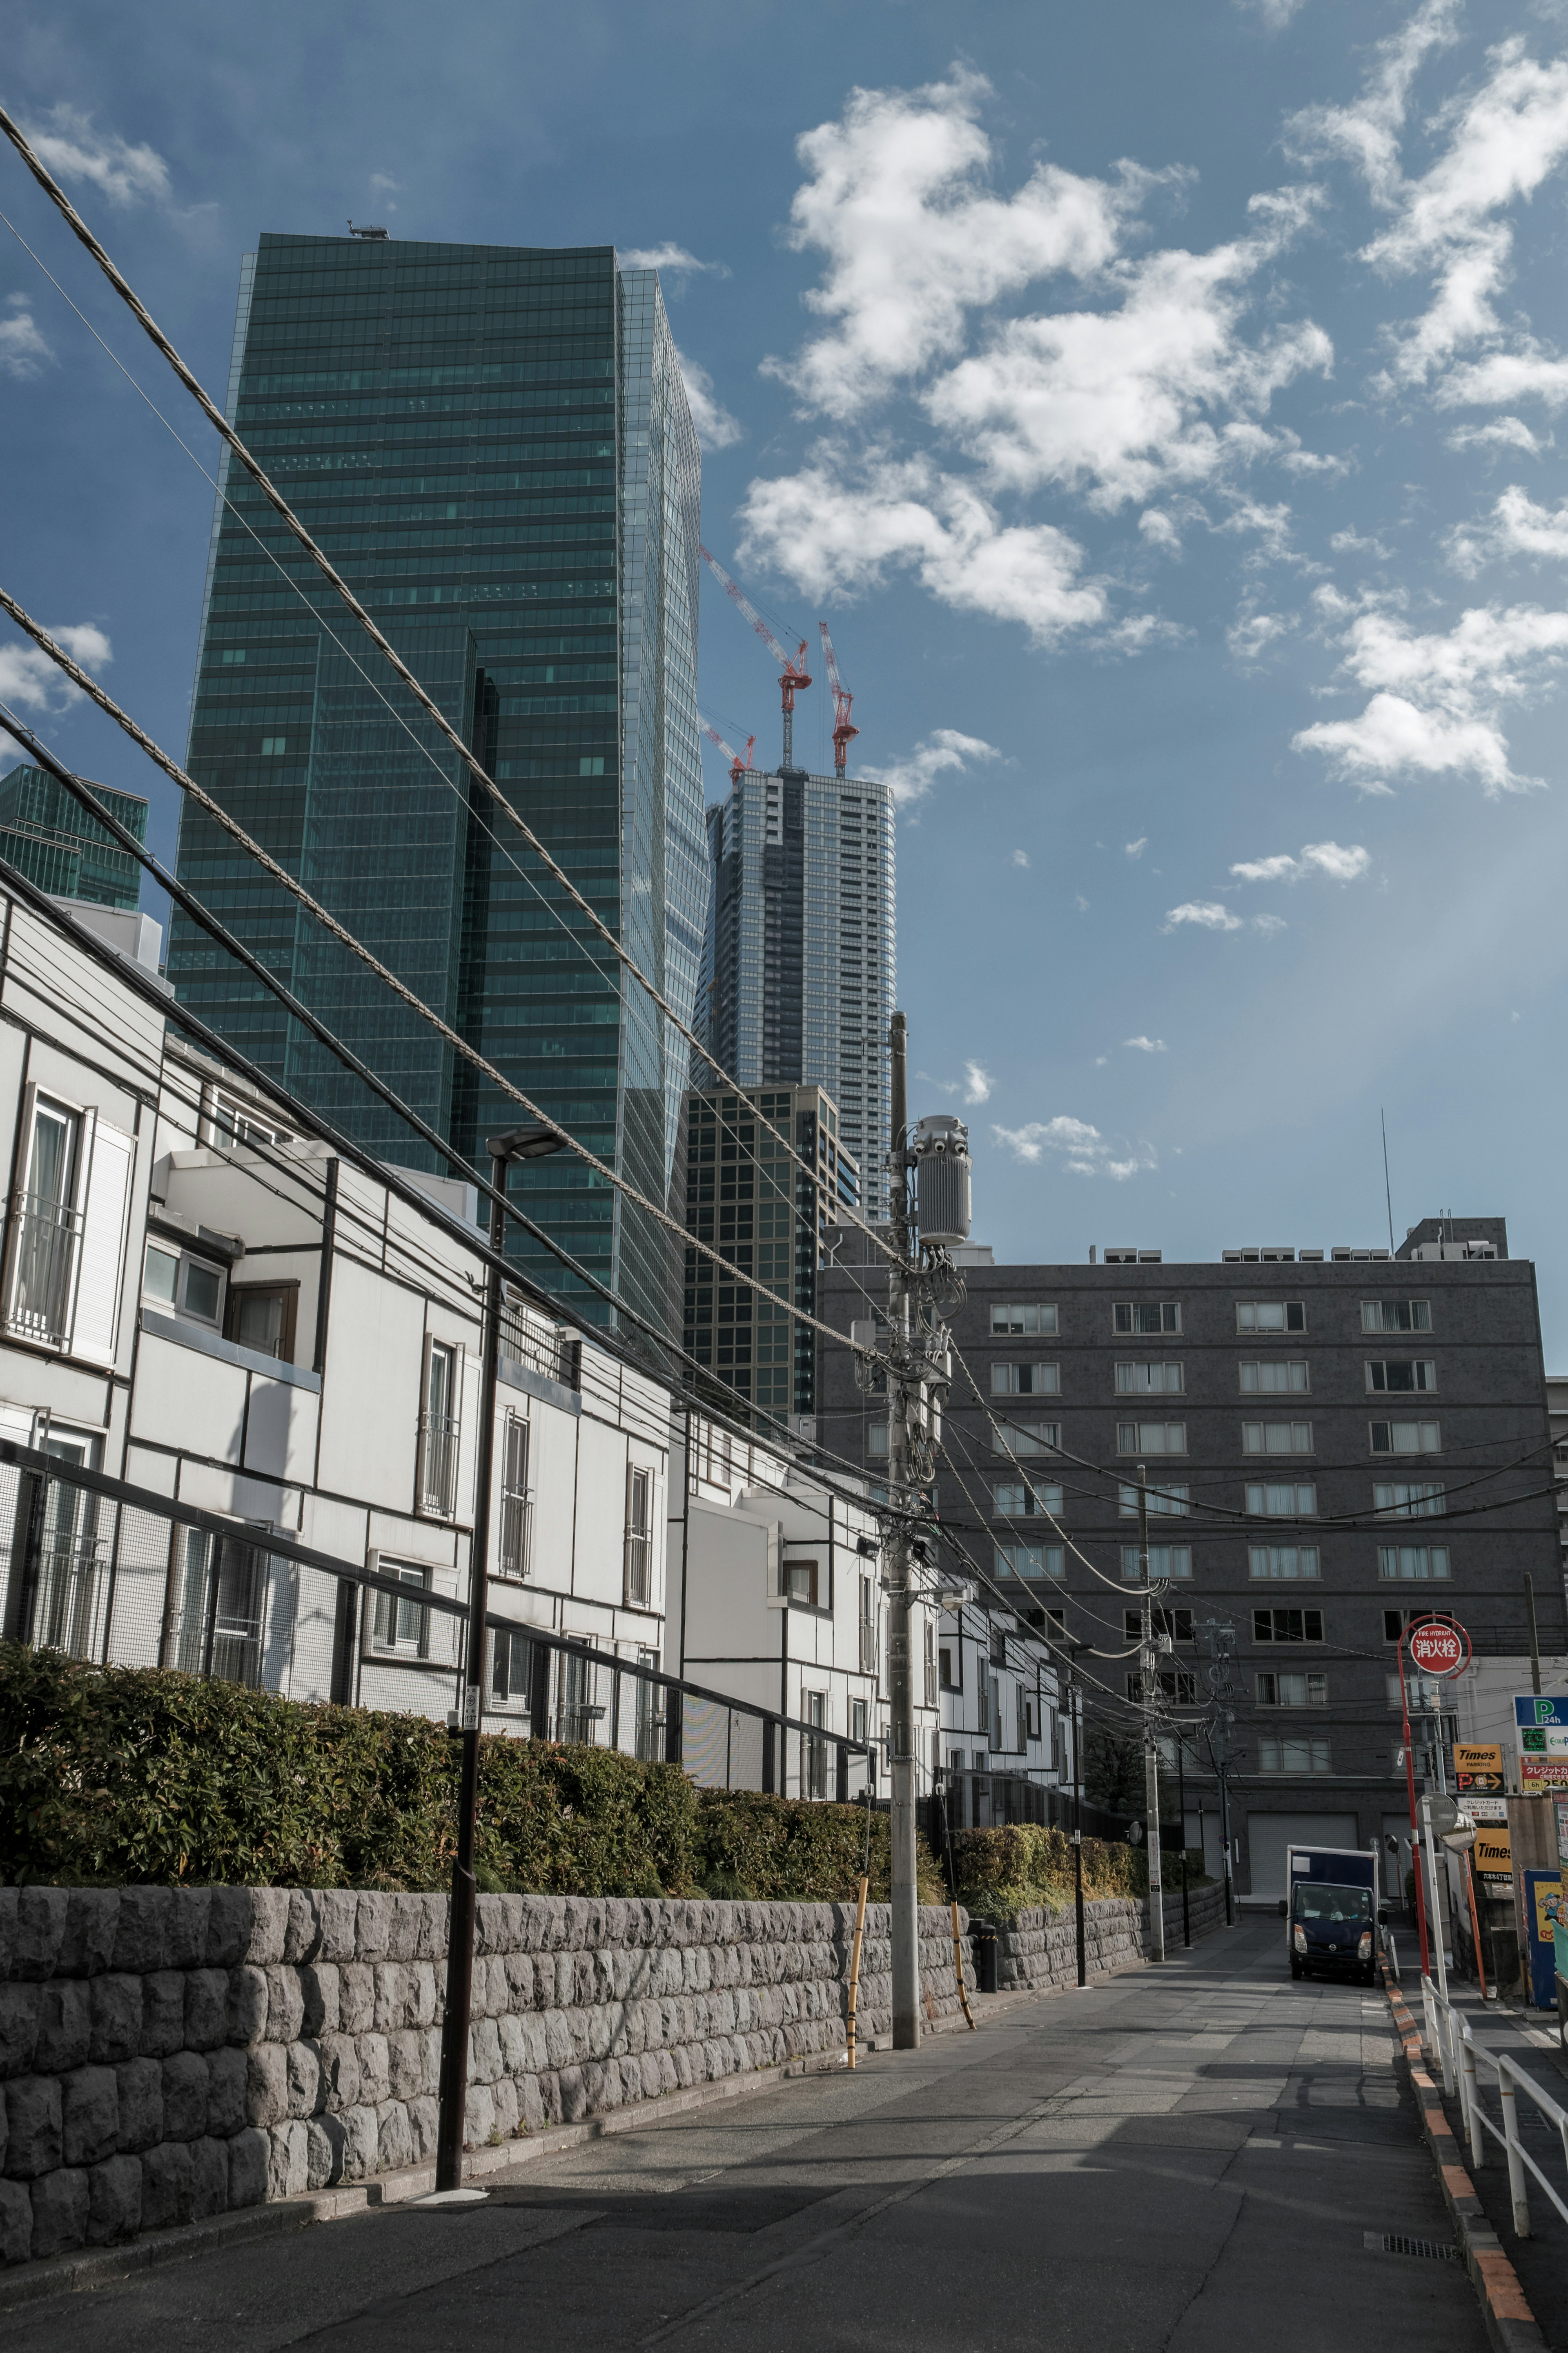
(119, 1576)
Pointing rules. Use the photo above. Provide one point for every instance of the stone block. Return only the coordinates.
(15, 2222)
(140, 1930)
(478, 2118)
(87, 1946)
(424, 2127)
(530, 2107)
(356, 1997)
(227, 2073)
(207, 2009)
(395, 2141)
(391, 1999)
(433, 1927)
(287, 2160)
(40, 1927)
(324, 2140)
(113, 2201)
(403, 1931)
(373, 2086)
(229, 1914)
(339, 2070)
(89, 2115)
(362, 2142)
(61, 2209)
(185, 1946)
(268, 1926)
(306, 2085)
(339, 1915)
(319, 1992)
(163, 2013)
(302, 1933)
(573, 2097)
(209, 2178)
(65, 2026)
(19, 2027)
(519, 1967)
(423, 1994)
(285, 2004)
(247, 2153)
(166, 2185)
(186, 2087)
(504, 2096)
(405, 2063)
(374, 1926)
(115, 2019)
(33, 2126)
(7, 1934)
(247, 2003)
(267, 2084)
(139, 2101)
(484, 2051)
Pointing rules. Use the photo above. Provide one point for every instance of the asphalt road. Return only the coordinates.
(1184, 2160)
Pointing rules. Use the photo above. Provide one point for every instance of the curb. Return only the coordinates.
(1511, 2324)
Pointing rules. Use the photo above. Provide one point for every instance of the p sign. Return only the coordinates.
(1439, 1647)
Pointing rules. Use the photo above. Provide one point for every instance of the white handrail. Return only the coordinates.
(1447, 2035)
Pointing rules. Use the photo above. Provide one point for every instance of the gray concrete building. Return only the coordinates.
(1336, 1440)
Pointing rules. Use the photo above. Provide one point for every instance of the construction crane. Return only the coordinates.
(739, 762)
(843, 733)
(795, 677)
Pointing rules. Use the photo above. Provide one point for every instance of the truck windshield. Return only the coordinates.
(1319, 1901)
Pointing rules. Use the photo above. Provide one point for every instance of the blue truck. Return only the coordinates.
(1330, 1911)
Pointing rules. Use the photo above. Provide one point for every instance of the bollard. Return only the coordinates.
(983, 1937)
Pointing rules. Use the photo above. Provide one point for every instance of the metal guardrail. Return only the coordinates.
(1447, 2035)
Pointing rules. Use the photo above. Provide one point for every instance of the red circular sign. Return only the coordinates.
(1439, 1648)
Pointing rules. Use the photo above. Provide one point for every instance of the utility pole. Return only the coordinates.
(1075, 1701)
(1150, 1748)
(901, 1694)
(1222, 1643)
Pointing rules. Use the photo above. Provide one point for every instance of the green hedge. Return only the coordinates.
(1002, 1872)
(116, 1775)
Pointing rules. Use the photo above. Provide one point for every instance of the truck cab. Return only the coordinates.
(1331, 1912)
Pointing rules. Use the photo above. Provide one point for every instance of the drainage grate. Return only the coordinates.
(1396, 2242)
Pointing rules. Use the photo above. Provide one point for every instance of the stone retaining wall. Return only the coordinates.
(1040, 1950)
(169, 2054)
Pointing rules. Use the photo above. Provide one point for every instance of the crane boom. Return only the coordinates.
(843, 732)
(795, 676)
(739, 761)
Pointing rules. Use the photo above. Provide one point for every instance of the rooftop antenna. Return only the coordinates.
(1387, 1193)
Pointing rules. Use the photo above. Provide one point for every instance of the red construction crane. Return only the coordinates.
(739, 764)
(795, 676)
(843, 733)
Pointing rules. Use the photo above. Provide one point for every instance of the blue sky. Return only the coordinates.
(1164, 407)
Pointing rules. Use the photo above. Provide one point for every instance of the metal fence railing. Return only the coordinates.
(1465, 2063)
(116, 1575)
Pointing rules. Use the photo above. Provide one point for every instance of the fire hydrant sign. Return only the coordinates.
(1439, 1647)
(1541, 1728)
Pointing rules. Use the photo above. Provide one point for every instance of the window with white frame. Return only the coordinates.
(1276, 1438)
(1009, 1436)
(1170, 1500)
(1026, 1380)
(1412, 1564)
(1015, 1500)
(929, 1663)
(1410, 1499)
(1287, 1377)
(868, 1626)
(402, 1626)
(1270, 1315)
(1151, 1315)
(1406, 1437)
(814, 1746)
(233, 1121)
(1149, 1380)
(858, 1719)
(512, 1658)
(1293, 1752)
(65, 1247)
(1151, 1437)
(1309, 1688)
(1165, 1560)
(640, 1537)
(1282, 1499)
(437, 1462)
(1401, 1375)
(877, 1438)
(802, 1583)
(513, 1550)
(1026, 1319)
(187, 1286)
(1395, 1315)
(1282, 1561)
(1030, 1560)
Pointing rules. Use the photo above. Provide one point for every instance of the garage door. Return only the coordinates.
(1268, 1835)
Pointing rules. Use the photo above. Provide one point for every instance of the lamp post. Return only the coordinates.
(534, 1142)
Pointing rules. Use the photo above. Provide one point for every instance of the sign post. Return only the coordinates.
(1437, 1647)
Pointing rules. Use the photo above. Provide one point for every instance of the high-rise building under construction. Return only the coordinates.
(798, 970)
(494, 447)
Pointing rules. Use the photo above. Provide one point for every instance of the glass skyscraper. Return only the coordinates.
(494, 447)
(66, 852)
(798, 970)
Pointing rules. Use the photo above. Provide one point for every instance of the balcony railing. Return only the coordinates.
(45, 1262)
(437, 1463)
(867, 1648)
(639, 1550)
(556, 1354)
(514, 1553)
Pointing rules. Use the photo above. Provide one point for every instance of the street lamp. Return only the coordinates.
(534, 1142)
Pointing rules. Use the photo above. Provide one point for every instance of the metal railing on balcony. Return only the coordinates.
(437, 1463)
(537, 1348)
(43, 1269)
(514, 1537)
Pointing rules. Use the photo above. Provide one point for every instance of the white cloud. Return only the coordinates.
(1160, 391)
(1020, 858)
(1135, 848)
(1276, 14)
(1207, 914)
(383, 187)
(1159, 530)
(943, 749)
(1436, 698)
(1251, 634)
(673, 259)
(30, 680)
(1081, 1147)
(1101, 1061)
(73, 149)
(1081, 903)
(1516, 526)
(1268, 925)
(23, 350)
(715, 428)
(1503, 378)
(1145, 1045)
(1351, 542)
(1341, 863)
(977, 1083)
(833, 533)
(895, 200)
(1503, 433)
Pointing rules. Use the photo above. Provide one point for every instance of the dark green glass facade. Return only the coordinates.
(493, 445)
(50, 840)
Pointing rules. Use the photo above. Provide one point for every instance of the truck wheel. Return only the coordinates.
(1369, 1975)
(1295, 1967)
